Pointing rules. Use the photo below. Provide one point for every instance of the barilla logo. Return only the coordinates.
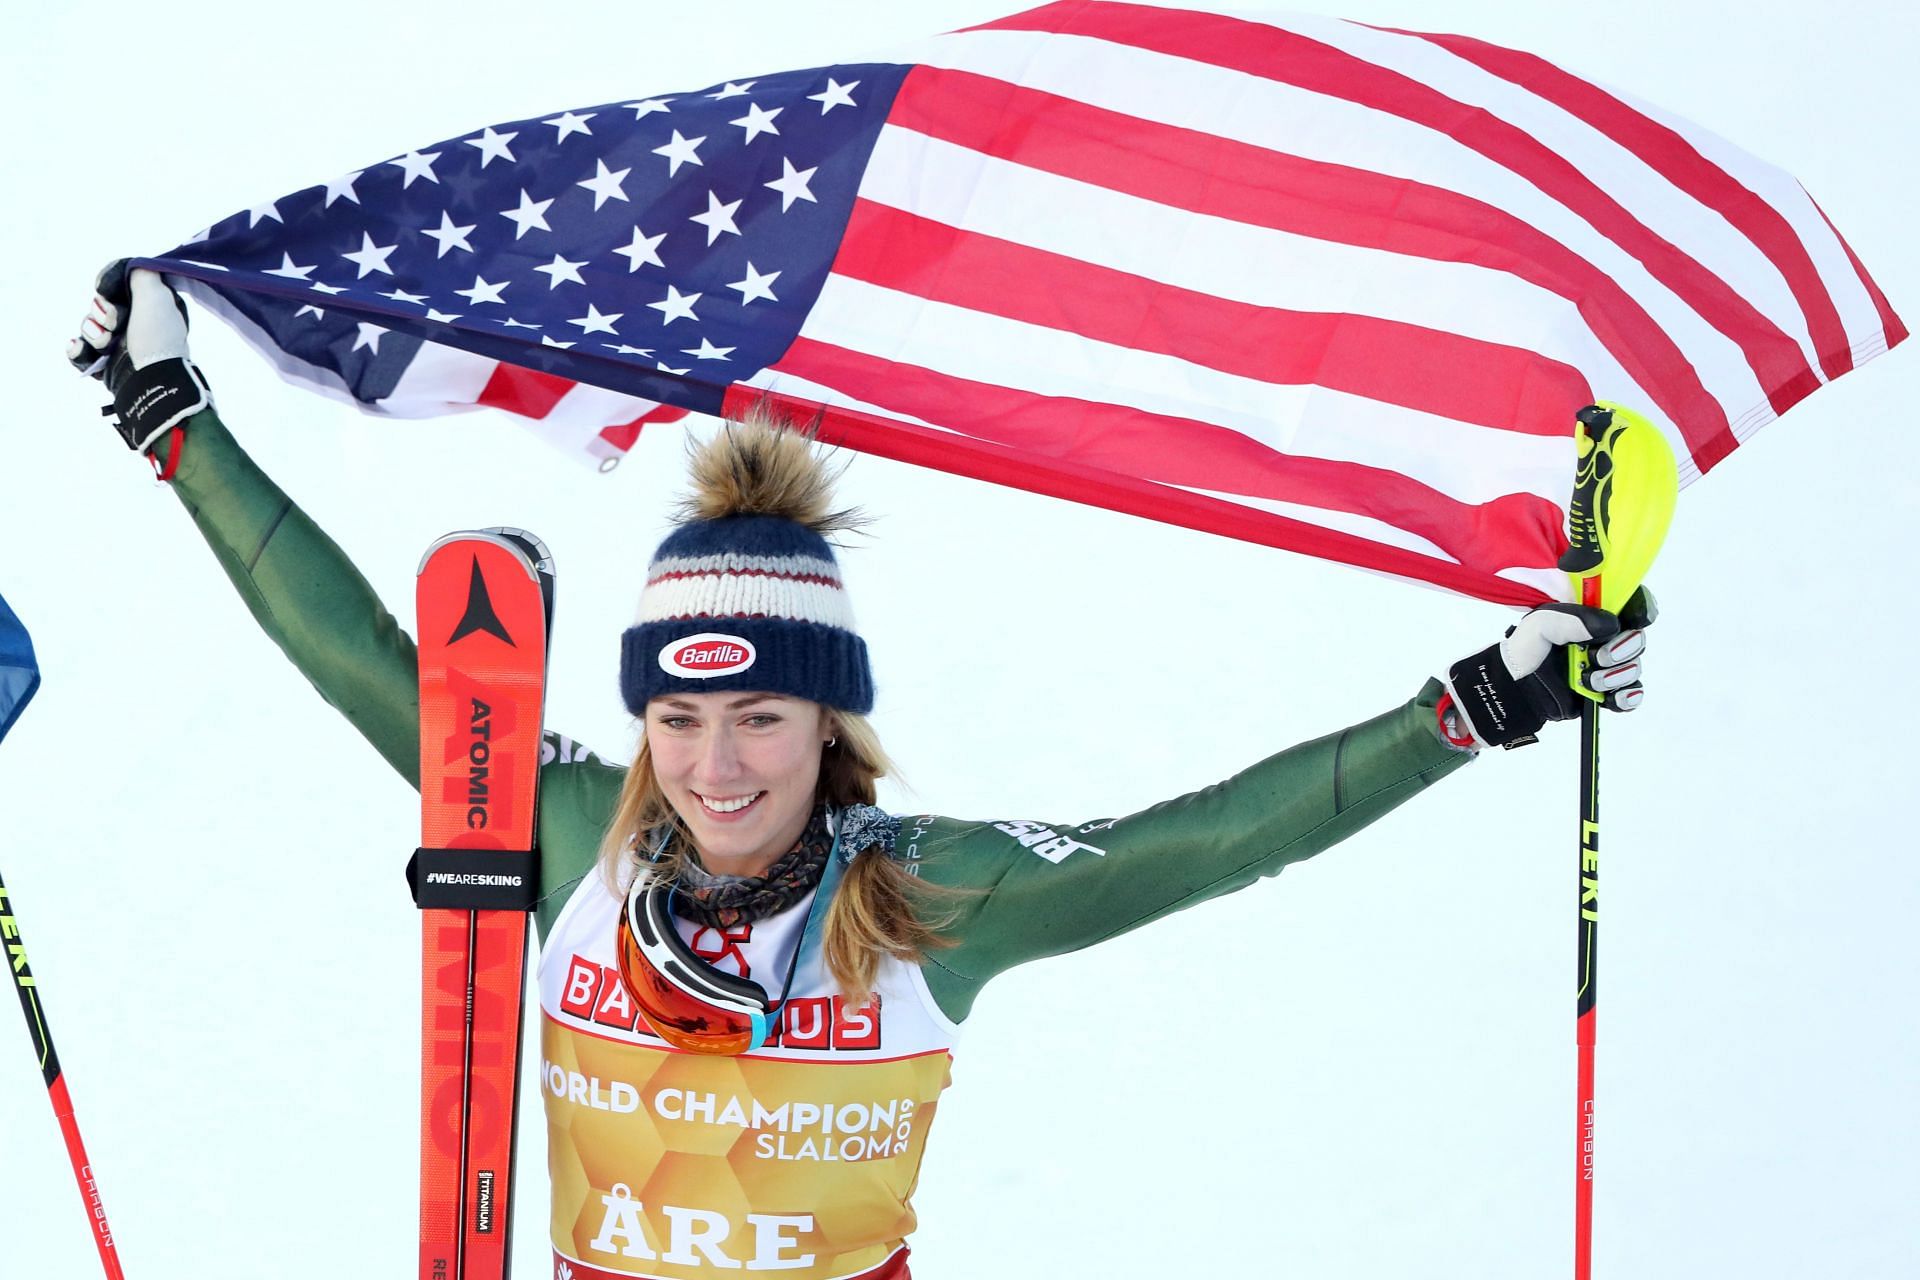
(705, 656)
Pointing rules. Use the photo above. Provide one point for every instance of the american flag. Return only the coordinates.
(1325, 286)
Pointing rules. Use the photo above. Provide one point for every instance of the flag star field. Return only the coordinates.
(640, 238)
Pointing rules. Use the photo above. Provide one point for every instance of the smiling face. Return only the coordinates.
(740, 769)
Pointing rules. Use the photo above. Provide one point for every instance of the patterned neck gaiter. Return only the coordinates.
(719, 902)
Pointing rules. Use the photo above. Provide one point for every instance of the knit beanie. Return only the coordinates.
(746, 593)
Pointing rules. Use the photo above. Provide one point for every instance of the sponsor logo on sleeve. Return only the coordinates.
(558, 748)
(1045, 841)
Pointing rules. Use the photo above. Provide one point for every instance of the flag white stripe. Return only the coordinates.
(1349, 522)
(437, 377)
(1303, 421)
(1286, 119)
(1783, 192)
(1227, 259)
(1352, 523)
(1549, 581)
(578, 416)
(1696, 230)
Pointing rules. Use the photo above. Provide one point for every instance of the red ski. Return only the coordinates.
(485, 601)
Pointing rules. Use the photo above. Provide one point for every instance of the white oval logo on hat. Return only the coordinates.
(706, 656)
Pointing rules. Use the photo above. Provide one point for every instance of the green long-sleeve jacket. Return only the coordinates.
(1040, 889)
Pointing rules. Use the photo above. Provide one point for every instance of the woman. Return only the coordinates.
(734, 893)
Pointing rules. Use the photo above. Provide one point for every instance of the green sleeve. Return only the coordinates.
(1030, 889)
(311, 600)
(304, 592)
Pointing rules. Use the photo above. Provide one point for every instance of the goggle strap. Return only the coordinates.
(652, 927)
(816, 914)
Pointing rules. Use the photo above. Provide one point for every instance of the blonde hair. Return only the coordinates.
(880, 909)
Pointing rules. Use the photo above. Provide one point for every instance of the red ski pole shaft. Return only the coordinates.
(1587, 979)
(29, 992)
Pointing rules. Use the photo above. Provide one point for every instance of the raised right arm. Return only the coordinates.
(297, 582)
(302, 590)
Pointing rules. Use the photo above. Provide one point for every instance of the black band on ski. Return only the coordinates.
(474, 879)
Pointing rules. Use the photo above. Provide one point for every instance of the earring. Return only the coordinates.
(835, 741)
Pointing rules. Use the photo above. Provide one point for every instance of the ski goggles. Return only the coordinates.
(688, 1003)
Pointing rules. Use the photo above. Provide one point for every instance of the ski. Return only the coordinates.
(485, 605)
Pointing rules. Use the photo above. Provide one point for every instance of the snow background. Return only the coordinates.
(1362, 1070)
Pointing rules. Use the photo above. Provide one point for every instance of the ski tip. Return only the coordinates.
(522, 544)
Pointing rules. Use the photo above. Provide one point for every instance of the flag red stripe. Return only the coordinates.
(1223, 178)
(1447, 374)
(1511, 530)
(622, 436)
(1890, 324)
(527, 392)
(1675, 159)
(1287, 57)
(532, 393)
(1059, 478)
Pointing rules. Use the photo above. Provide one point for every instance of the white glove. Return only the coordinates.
(1505, 694)
(134, 338)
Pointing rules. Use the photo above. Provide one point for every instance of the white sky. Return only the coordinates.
(1364, 1069)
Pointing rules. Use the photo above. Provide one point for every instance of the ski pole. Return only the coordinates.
(1625, 485)
(57, 1086)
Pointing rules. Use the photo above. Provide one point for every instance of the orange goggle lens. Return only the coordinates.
(681, 1018)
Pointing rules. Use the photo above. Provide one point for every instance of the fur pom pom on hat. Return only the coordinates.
(746, 594)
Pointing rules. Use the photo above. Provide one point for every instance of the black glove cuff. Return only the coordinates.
(149, 401)
(1501, 712)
